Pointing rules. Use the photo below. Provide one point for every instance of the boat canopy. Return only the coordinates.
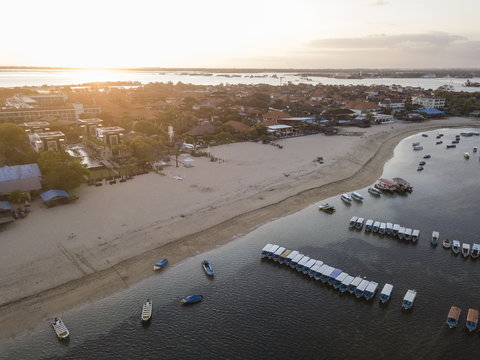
(435, 234)
(415, 233)
(353, 219)
(372, 287)
(387, 289)
(476, 247)
(292, 254)
(267, 247)
(279, 251)
(388, 182)
(348, 280)
(342, 277)
(328, 271)
(376, 224)
(369, 222)
(360, 221)
(466, 246)
(315, 268)
(454, 313)
(456, 243)
(335, 273)
(323, 268)
(472, 315)
(273, 249)
(363, 285)
(400, 181)
(355, 282)
(303, 260)
(389, 225)
(310, 263)
(297, 258)
(383, 226)
(410, 296)
(286, 253)
(396, 227)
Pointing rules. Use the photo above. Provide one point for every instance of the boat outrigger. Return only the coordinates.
(60, 328)
(453, 316)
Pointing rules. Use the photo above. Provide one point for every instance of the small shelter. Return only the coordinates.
(24, 177)
(5, 212)
(55, 197)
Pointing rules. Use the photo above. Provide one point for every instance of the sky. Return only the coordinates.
(265, 34)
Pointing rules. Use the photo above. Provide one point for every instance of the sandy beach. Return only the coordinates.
(121, 230)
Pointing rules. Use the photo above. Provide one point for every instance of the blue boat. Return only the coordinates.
(192, 299)
(324, 268)
(288, 259)
(295, 260)
(272, 251)
(420, 168)
(370, 290)
(374, 191)
(326, 274)
(451, 146)
(360, 290)
(338, 281)
(439, 142)
(266, 250)
(386, 293)
(160, 264)
(421, 163)
(345, 283)
(455, 141)
(308, 266)
(427, 156)
(333, 276)
(453, 316)
(315, 268)
(353, 285)
(409, 298)
(207, 267)
(472, 319)
(303, 261)
(278, 253)
(424, 135)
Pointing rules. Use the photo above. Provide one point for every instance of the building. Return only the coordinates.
(35, 127)
(70, 113)
(20, 101)
(23, 177)
(89, 125)
(428, 102)
(392, 104)
(109, 135)
(51, 140)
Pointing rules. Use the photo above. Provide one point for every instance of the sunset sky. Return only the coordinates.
(297, 34)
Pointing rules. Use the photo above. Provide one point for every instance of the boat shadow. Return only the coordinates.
(146, 324)
(64, 342)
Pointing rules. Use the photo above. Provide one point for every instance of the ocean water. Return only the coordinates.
(257, 309)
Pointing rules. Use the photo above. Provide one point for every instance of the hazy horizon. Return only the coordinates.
(263, 34)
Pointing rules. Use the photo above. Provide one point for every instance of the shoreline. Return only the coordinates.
(27, 312)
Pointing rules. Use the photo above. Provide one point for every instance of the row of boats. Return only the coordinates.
(454, 316)
(465, 249)
(333, 276)
(385, 228)
(147, 307)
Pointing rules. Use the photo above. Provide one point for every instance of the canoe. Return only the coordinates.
(160, 264)
(192, 299)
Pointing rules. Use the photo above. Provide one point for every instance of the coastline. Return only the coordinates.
(357, 165)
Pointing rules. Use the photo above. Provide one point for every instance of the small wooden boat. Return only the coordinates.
(418, 147)
(434, 237)
(147, 310)
(475, 149)
(295, 260)
(382, 229)
(386, 293)
(60, 328)
(447, 244)
(455, 142)
(456, 246)
(208, 267)
(427, 156)
(160, 264)
(357, 196)
(420, 168)
(421, 163)
(272, 251)
(346, 198)
(339, 280)
(439, 142)
(395, 229)
(401, 232)
(453, 316)
(409, 299)
(315, 268)
(416, 143)
(359, 223)
(353, 285)
(424, 135)
(451, 146)
(408, 234)
(376, 226)
(465, 249)
(389, 228)
(329, 209)
(466, 155)
(303, 261)
(192, 299)
(276, 255)
(323, 269)
(345, 283)
(284, 256)
(472, 319)
(374, 191)
(334, 275)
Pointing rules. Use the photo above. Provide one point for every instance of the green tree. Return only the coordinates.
(145, 127)
(67, 176)
(17, 196)
(189, 140)
(370, 117)
(141, 149)
(13, 135)
(50, 159)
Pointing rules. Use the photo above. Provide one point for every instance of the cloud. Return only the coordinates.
(377, 3)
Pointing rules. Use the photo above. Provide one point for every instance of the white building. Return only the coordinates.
(428, 102)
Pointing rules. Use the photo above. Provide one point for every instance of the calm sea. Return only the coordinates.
(258, 309)
(13, 78)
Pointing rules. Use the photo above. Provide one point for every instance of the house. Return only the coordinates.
(275, 115)
(238, 126)
(89, 125)
(51, 140)
(201, 130)
(109, 135)
(55, 197)
(23, 177)
(5, 212)
(363, 107)
(428, 101)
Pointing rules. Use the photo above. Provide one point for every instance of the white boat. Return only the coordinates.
(325, 273)
(295, 260)
(382, 228)
(409, 299)
(386, 293)
(359, 223)
(353, 285)
(466, 155)
(401, 232)
(347, 198)
(395, 229)
(313, 270)
(360, 290)
(266, 250)
(374, 191)
(60, 328)
(475, 251)
(306, 268)
(456, 246)
(370, 290)
(389, 228)
(368, 225)
(339, 279)
(272, 251)
(415, 235)
(418, 147)
(278, 253)
(376, 226)
(323, 268)
(353, 221)
(408, 234)
(291, 256)
(147, 310)
(465, 249)
(416, 143)
(475, 149)
(357, 196)
(447, 244)
(345, 283)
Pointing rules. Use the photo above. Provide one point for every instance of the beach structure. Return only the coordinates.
(24, 177)
(55, 197)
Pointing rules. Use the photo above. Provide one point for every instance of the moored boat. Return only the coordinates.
(424, 135)
(451, 146)
(374, 191)
(401, 232)
(472, 319)
(324, 268)
(447, 244)
(278, 253)
(208, 267)
(302, 262)
(353, 221)
(455, 142)
(434, 238)
(389, 228)
(368, 225)
(313, 270)
(333, 276)
(360, 290)
(409, 298)
(475, 149)
(192, 299)
(346, 198)
(359, 223)
(382, 228)
(395, 229)
(415, 235)
(345, 283)
(283, 257)
(272, 251)
(420, 168)
(386, 292)
(465, 249)
(370, 290)
(418, 147)
(292, 255)
(147, 310)
(306, 268)
(266, 250)
(427, 156)
(357, 196)
(408, 234)
(295, 260)
(405, 185)
(466, 155)
(60, 329)
(453, 316)
(338, 281)
(456, 246)
(325, 274)
(376, 226)
(416, 143)
(391, 186)
(160, 264)
(353, 285)
(421, 163)
(329, 209)
(475, 251)
(439, 142)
